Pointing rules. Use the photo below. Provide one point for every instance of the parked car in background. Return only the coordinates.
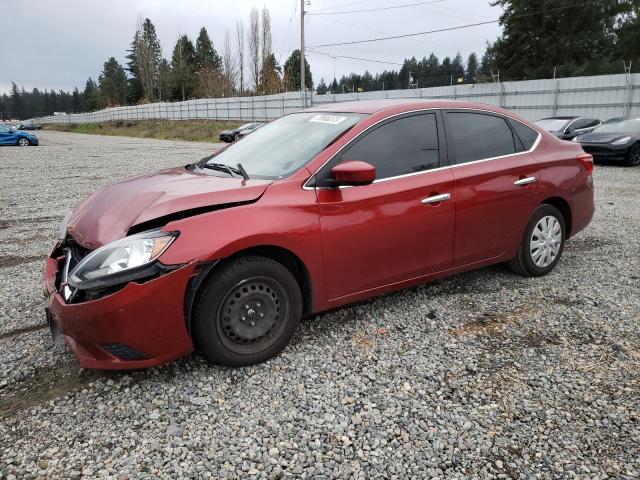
(568, 128)
(315, 210)
(229, 136)
(29, 125)
(616, 139)
(13, 136)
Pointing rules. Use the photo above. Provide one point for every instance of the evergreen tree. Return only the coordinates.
(457, 68)
(533, 43)
(292, 72)
(16, 105)
(164, 80)
(112, 84)
(206, 55)
(322, 87)
(472, 68)
(90, 95)
(134, 85)
(334, 86)
(183, 64)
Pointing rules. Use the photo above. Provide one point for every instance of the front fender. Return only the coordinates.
(286, 217)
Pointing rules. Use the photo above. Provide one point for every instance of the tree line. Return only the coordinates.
(540, 39)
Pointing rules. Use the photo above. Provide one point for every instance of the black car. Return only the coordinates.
(236, 134)
(567, 128)
(29, 126)
(616, 139)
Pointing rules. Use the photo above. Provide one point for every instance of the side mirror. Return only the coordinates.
(353, 172)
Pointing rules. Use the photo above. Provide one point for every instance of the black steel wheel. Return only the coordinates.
(633, 157)
(247, 311)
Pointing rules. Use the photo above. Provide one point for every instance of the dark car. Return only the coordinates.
(29, 126)
(568, 128)
(617, 139)
(229, 136)
(315, 210)
(13, 136)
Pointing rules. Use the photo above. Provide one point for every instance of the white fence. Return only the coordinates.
(602, 96)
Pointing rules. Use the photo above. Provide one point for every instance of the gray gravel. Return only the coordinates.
(484, 375)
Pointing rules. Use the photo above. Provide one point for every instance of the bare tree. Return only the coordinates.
(266, 34)
(240, 56)
(230, 71)
(253, 37)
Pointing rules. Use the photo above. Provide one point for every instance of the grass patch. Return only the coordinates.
(191, 130)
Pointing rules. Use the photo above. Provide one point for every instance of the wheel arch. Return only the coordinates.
(565, 209)
(282, 255)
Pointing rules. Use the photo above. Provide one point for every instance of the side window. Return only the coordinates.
(527, 135)
(476, 136)
(402, 146)
(581, 123)
(592, 123)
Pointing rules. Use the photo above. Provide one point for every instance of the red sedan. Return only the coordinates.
(314, 210)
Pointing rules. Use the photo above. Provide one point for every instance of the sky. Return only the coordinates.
(58, 44)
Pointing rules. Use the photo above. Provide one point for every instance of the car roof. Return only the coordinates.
(567, 117)
(374, 106)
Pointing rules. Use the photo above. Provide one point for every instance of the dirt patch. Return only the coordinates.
(492, 323)
(48, 384)
(13, 260)
(20, 331)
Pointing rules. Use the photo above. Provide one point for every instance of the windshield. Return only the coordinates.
(281, 147)
(619, 125)
(553, 124)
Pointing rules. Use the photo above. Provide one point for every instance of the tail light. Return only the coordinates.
(587, 162)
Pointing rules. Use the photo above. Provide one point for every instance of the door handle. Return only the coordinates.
(525, 181)
(437, 198)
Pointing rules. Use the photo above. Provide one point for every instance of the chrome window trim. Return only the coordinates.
(425, 110)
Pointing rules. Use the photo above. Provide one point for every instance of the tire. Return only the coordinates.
(633, 157)
(247, 312)
(236, 137)
(23, 142)
(536, 262)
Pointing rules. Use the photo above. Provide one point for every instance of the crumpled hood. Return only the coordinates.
(109, 213)
(600, 137)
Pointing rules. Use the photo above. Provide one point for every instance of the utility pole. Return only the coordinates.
(302, 79)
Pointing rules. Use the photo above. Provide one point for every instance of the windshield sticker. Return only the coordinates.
(330, 119)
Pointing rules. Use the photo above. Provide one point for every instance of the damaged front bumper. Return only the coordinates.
(135, 325)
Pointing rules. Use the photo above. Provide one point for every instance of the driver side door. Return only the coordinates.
(6, 136)
(390, 231)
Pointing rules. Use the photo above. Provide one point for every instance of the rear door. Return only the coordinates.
(496, 182)
(389, 231)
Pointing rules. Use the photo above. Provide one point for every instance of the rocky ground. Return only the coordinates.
(484, 375)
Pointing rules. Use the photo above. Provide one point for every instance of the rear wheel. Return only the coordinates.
(247, 311)
(542, 244)
(633, 157)
(236, 137)
(23, 142)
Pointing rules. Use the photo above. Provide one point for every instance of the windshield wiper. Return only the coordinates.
(223, 167)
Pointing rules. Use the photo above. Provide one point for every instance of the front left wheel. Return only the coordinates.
(23, 142)
(247, 311)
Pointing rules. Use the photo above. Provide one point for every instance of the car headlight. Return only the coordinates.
(575, 139)
(62, 229)
(621, 141)
(120, 261)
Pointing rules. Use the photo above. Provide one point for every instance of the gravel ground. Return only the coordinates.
(484, 375)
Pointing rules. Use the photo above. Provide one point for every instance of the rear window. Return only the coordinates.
(527, 135)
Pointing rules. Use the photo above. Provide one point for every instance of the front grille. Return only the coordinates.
(124, 352)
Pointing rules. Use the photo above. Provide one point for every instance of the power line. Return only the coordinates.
(316, 12)
(354, 58)
(343, 5)
(448, 29)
